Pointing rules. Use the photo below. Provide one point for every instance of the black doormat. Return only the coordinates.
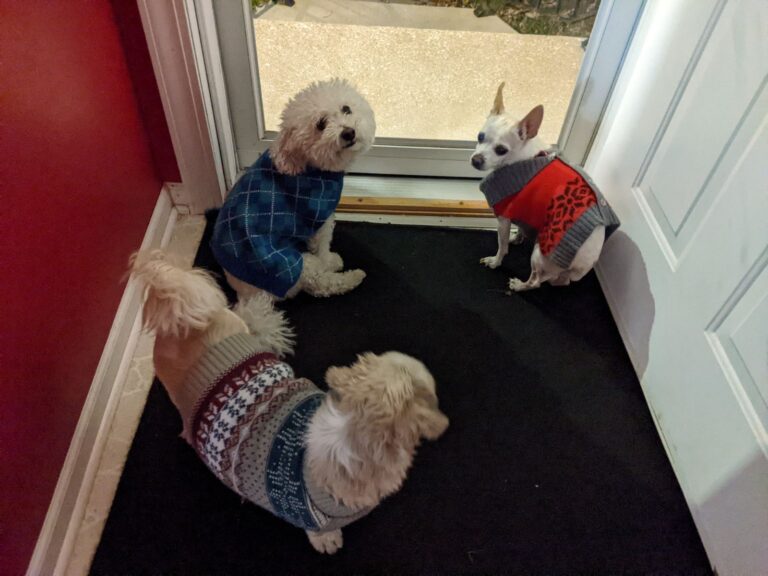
(551, 465)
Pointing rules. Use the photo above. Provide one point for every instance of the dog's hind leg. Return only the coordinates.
(320, 246)
(542, 270)
(563, 280)
(317, 280)
(587, 255)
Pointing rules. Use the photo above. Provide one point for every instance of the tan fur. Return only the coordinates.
(288, 154)
(391, 404)
(498, 102)
(176, 300)
(175, 356)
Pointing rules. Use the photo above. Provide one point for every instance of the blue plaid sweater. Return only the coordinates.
(266, 220)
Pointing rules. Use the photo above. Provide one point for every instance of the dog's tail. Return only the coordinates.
(268, 325)
(177, 299)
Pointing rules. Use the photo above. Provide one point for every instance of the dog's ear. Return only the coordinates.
(498, 103)
(398, 392)
(287, 153)
(383, 387)
(431, 421)
(337, 378)
(529, 126)
(429, 418)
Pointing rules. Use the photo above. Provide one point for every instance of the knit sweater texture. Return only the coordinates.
(267, 219)
(246, 416)
(555, 200)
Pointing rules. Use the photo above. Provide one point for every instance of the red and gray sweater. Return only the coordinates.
(555, 200)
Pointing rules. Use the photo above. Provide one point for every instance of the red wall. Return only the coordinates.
(78, 186)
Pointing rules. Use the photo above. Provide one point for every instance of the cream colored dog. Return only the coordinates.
(244, 410)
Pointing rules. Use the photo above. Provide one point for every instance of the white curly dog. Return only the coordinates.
(274, 231)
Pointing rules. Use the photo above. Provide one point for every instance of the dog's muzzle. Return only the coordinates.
(348, 137)
(478, 161)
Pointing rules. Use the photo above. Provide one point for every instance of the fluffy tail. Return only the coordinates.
(266, 323)
(177, 300)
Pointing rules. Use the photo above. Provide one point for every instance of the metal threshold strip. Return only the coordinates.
(414, 206)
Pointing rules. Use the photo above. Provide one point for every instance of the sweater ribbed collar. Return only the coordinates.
(509, 179)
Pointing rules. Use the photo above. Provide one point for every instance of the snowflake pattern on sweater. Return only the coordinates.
(249, 427)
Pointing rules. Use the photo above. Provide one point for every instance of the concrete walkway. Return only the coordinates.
(423, 82)
(361, 13)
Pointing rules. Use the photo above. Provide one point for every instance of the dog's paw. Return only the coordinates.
(333, 262)
(491, 261)
(354, 278)
(516, 285)
(326, 542)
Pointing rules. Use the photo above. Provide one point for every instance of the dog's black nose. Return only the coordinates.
(478, 161)
(348, 134)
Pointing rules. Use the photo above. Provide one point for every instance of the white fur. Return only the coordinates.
(361, 440)
(518, 141)
(312, 129)
(329, 436)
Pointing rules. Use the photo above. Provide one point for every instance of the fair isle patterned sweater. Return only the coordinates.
(246, 416)
(267, 219)
(552, 198)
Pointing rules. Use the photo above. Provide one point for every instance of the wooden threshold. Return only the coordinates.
(414, 206)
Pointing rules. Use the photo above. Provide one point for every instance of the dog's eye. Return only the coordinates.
(321, 124)
(500, 150)
(480, 137)
(346, 109)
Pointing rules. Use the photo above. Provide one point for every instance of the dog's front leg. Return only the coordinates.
(326, 542)
(503, 239)
(320, 246)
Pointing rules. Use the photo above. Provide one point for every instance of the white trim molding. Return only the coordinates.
(65, 513)
(175, 63)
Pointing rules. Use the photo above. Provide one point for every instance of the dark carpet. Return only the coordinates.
(551, 465)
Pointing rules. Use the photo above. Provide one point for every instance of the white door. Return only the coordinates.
(683, 157)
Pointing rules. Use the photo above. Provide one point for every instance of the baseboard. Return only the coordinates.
(65, 513)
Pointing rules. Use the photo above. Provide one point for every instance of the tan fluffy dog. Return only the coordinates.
(357, 443)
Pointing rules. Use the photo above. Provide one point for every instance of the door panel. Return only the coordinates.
(682, 157)
(711, 109)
